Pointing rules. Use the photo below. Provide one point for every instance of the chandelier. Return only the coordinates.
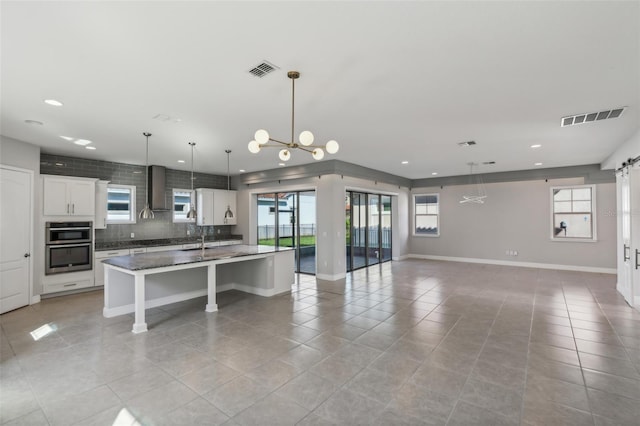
(262, 138)
(477, 196)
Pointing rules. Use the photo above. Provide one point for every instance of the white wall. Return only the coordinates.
(629, 149)
(330, 216)
(26, 156)
(516, 216)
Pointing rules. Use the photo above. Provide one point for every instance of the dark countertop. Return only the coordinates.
(129, 244)
(137, 262)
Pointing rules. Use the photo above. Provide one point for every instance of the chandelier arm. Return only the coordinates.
(305, 148)
(281, 142)
(293, 102)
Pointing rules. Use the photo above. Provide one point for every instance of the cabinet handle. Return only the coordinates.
(624, 254)
(105, 222)
(637, 257)
(73, 208)
(67, 208)
(70, 285)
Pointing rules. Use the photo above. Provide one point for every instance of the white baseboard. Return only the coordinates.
(264, 292)
(334, 277)
(519, 264)
(35, 299)
(403, 257)
(154, 303)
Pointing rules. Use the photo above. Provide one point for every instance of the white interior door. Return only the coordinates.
(634, 216)
(624, 264)
(15, 228)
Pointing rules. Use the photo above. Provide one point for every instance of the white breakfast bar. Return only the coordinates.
(136, 282)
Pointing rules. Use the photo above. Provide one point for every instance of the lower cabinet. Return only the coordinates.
(98, 267)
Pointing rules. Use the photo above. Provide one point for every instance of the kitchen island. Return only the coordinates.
(136, 282)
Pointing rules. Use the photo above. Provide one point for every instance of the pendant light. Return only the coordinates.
(192, 211)
(228, 214)
(146, 212)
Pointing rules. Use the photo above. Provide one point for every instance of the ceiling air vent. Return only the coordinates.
(589, 117)
(468, 143)
(263, 69)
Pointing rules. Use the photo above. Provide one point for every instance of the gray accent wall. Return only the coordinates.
(516, 216)
(129, 174)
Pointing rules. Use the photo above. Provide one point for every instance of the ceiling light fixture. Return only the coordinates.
(434, 173)
(192, 211)
(405, 162)
(538, 164)
(228, 214)
(67, 138)
(82, 142)
(481, 193)
(53, 102)
(242, 170)
(146, 212)
(181, 161)
(262, 137)
(92, 148)
(536, 146)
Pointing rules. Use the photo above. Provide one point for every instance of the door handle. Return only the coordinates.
(626, 247)
(29, 254)
(67, 208)
(637, 258)
(73, 208)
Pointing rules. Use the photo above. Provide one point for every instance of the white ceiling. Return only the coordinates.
(390, 81)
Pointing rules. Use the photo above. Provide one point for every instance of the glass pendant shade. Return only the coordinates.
(254, 147)
(318, 154)
(306, 138)
(284, 154)
(261, 136)
(332, 147)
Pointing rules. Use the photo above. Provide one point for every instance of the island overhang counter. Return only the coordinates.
(137, 282)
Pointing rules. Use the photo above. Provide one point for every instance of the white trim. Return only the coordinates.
(413, 214)
(173, 205)
(132, 204)
(374, 190)
(161, 301)
(402, 257)
(35, 299)
(518, 264)
(127, 309)
(334, 277)
(32, 209)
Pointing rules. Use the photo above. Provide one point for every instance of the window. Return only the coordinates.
(121, 203)
(182, 201)
(573, 213)
(426, 208)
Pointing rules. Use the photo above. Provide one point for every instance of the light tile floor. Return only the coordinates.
(410, 342)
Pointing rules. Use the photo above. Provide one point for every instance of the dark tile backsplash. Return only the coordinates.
(129, 174)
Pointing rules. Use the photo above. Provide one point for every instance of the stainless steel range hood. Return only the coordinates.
(157, 183)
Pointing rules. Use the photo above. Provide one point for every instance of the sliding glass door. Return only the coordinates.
(368, 229)
(288, 219)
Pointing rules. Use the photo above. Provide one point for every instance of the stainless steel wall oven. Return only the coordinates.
(68, 247)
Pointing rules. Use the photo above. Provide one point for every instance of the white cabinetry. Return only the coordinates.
(164, 248)
(64, 196)
(204, 206)
(98, 266)
(222, 199)
(101, 205)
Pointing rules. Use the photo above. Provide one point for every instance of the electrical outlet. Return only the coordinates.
(133, 235)
(515, 252)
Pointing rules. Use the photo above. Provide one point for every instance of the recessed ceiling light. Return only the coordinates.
(536, 146)
(538, 164)
(281, 164)
(35, 122)
(434, 173)
(405, 162)
(53, 102)
(90, 147)
(67, 138)
(242, 170)
(82, 142)
(180, 161)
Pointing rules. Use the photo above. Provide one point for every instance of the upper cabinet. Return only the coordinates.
(211, 205)
(65, 196)
(101, 204)
(222, 199)
(204, 206)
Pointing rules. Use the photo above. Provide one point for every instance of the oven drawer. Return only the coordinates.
(66, 286)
